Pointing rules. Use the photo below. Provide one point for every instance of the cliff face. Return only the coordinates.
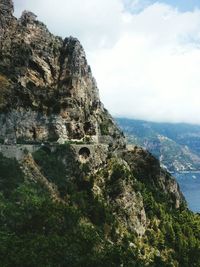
(48, 95)
(146, 168)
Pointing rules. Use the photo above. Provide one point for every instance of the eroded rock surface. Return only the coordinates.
(50, 94)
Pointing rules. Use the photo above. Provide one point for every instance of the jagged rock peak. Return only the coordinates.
(6, 13)
(6, 7)
(28, 17)
(78, 61)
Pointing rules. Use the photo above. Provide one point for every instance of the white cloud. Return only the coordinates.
(147, 65)
(96, 23)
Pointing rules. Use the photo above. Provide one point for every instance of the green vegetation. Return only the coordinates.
(57, 172)
(72, 142)
(104, 128)
(35, 231)
(21, 141)
(4, 90)
(174, 233)
(84, 230)
(10, 175)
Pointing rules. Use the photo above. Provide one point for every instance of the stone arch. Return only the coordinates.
(84, 154)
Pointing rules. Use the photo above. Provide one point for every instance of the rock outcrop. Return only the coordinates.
(146, 168)
(6, 17)
(49, 91)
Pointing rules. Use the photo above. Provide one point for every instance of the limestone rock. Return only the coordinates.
(146, 169)
(52, 94)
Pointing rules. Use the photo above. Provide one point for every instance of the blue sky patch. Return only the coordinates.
(136, 6)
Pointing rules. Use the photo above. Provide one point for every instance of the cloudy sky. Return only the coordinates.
(145, 54)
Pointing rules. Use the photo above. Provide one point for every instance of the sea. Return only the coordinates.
(190, 186)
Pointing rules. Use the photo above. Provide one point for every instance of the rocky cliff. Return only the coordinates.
(48, 92)
(73, 158)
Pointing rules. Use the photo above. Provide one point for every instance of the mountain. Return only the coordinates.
(48, 92)
(177, 146)
(71, 192)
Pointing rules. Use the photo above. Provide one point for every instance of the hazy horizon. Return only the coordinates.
(159, 122)
(145, 55)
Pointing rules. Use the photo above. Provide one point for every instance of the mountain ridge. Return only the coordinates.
(175, 145)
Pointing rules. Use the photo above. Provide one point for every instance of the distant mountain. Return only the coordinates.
(176, 145)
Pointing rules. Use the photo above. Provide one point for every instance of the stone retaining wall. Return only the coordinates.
(17, 151)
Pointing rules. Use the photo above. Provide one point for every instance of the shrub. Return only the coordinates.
(4, 90)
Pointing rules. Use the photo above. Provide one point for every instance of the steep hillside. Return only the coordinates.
(177, 146)
(71, 192)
